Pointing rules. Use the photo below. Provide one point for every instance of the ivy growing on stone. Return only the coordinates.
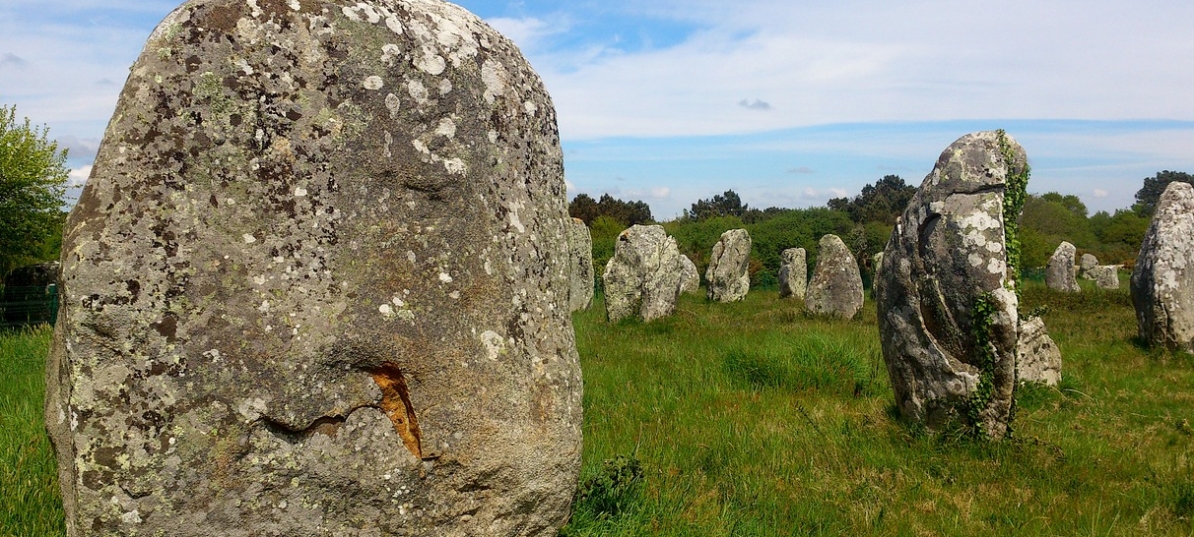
(1015, 194)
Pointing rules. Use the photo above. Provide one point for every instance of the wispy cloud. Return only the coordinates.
(9, 59)
(754, 105)
(803, 170)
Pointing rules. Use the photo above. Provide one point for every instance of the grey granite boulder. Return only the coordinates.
(1163, 280)
(317, 284)
(644, 276)
(836, 287)
(1087, 263)
(793, 273)
(946, 302)
(728, 273)
(580, 248)
(690, 278)
(1059, 273)
(1037, 356)
(1105, 276)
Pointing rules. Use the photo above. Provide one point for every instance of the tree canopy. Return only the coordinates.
(629, 213)
(726, 204)
(882, 202)
(1150, 193)
(33, 177)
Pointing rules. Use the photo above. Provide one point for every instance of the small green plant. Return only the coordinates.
(612, 490)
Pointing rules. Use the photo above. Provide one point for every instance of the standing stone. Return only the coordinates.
(876, 263)
(793, 273)
(690, 277)
(1105, 276)
(1087, 263)
(728, 272)
(317, 284)
(947, 311)
(836, 287)
(1038, 358)
(644, 276)
(1163, 280)
(1059, 273)
(580, 247)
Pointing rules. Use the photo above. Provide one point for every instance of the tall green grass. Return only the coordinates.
(29, 499)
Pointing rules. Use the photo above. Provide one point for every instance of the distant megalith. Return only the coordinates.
(1163, 280)
(946, 301)
(317, 284)
(1037, 357)
(580, 248)
(644, 276)
(1105, 276)
(793, 273)
(1059, 273)
(836, 287)
(690, 278)
(1087, 263)
(728, 273)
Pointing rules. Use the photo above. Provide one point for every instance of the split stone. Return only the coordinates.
(317, 284)
(644, 276)
(580, 244)
(1105, 276)
(793, 273)
(947, 310)
(1038, 358)
(836, 287)
(690, 277)
(1059, 273)
(1163, 280)
(728, 273)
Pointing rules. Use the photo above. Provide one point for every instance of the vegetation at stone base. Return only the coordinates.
(29, 495)
(33, 178)
(752, 418)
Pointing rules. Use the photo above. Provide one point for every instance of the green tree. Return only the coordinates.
(628, 213)
(726, 204)
(1150, 192)
(882, 202)
(33, 176)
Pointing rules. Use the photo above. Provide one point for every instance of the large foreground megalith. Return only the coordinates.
(317, 284)
(729, 263)
(946, 300)
(1163, 279)
(645, 276)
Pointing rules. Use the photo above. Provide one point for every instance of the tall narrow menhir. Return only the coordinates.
(318, 284)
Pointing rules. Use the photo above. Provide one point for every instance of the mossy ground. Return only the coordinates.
(753, 419)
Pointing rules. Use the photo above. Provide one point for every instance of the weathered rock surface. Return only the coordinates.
(876, 262)
(836, 287)
(793, 273)
(1059, 273)
(728, 273)
(644, 276)
(1086, 264)
(1105, 276)
(1038, 358)
(580, 244)
(690, 277)
(1163, 280)
(317, 284)
(947, 313)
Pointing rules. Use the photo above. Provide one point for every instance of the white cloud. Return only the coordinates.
(1100, 193)
(78, 176)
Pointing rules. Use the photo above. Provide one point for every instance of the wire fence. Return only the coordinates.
(23, 306)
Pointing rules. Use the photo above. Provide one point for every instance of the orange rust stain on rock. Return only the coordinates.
(395, 402)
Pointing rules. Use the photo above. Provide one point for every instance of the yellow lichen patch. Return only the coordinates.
(395, 402)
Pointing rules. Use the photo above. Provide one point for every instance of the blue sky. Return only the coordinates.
(788, 102)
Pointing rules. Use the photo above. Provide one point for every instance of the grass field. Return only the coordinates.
(753, 419)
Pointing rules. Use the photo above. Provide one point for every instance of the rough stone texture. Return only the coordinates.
(836, 286)
(945, 263)
(644, 276)
(1038, 358)
(1086, 264)
(793, 273)
(876, 262)
(1059, 273)
(1163, 280)
(580, 244)
(317, 284)
(1105, 276)
(728, 273)
(690, 277)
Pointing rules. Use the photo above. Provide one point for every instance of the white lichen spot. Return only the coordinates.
(131, 517)
(975, 259)
(493, 136)
(249, 238)
(351, 13)
(996, 266)
(410, 256)
(251, 409)
(386, 310)
(300, 192)
(420, 146)
(244, 66)
(431, 63)
(494, 345)
(394, 24)
(398, 302)
(264, 307)
(445, 277)
(455, 166)
(417, 91)
(445, 87)
(496, 80)
(259, 280)
(446, 127)
(530, 107)
(455, 295)
(295, 5)
(373, 83)
(394, 104)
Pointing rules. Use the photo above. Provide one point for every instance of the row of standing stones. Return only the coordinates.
(1061, 274)
(319, 284)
